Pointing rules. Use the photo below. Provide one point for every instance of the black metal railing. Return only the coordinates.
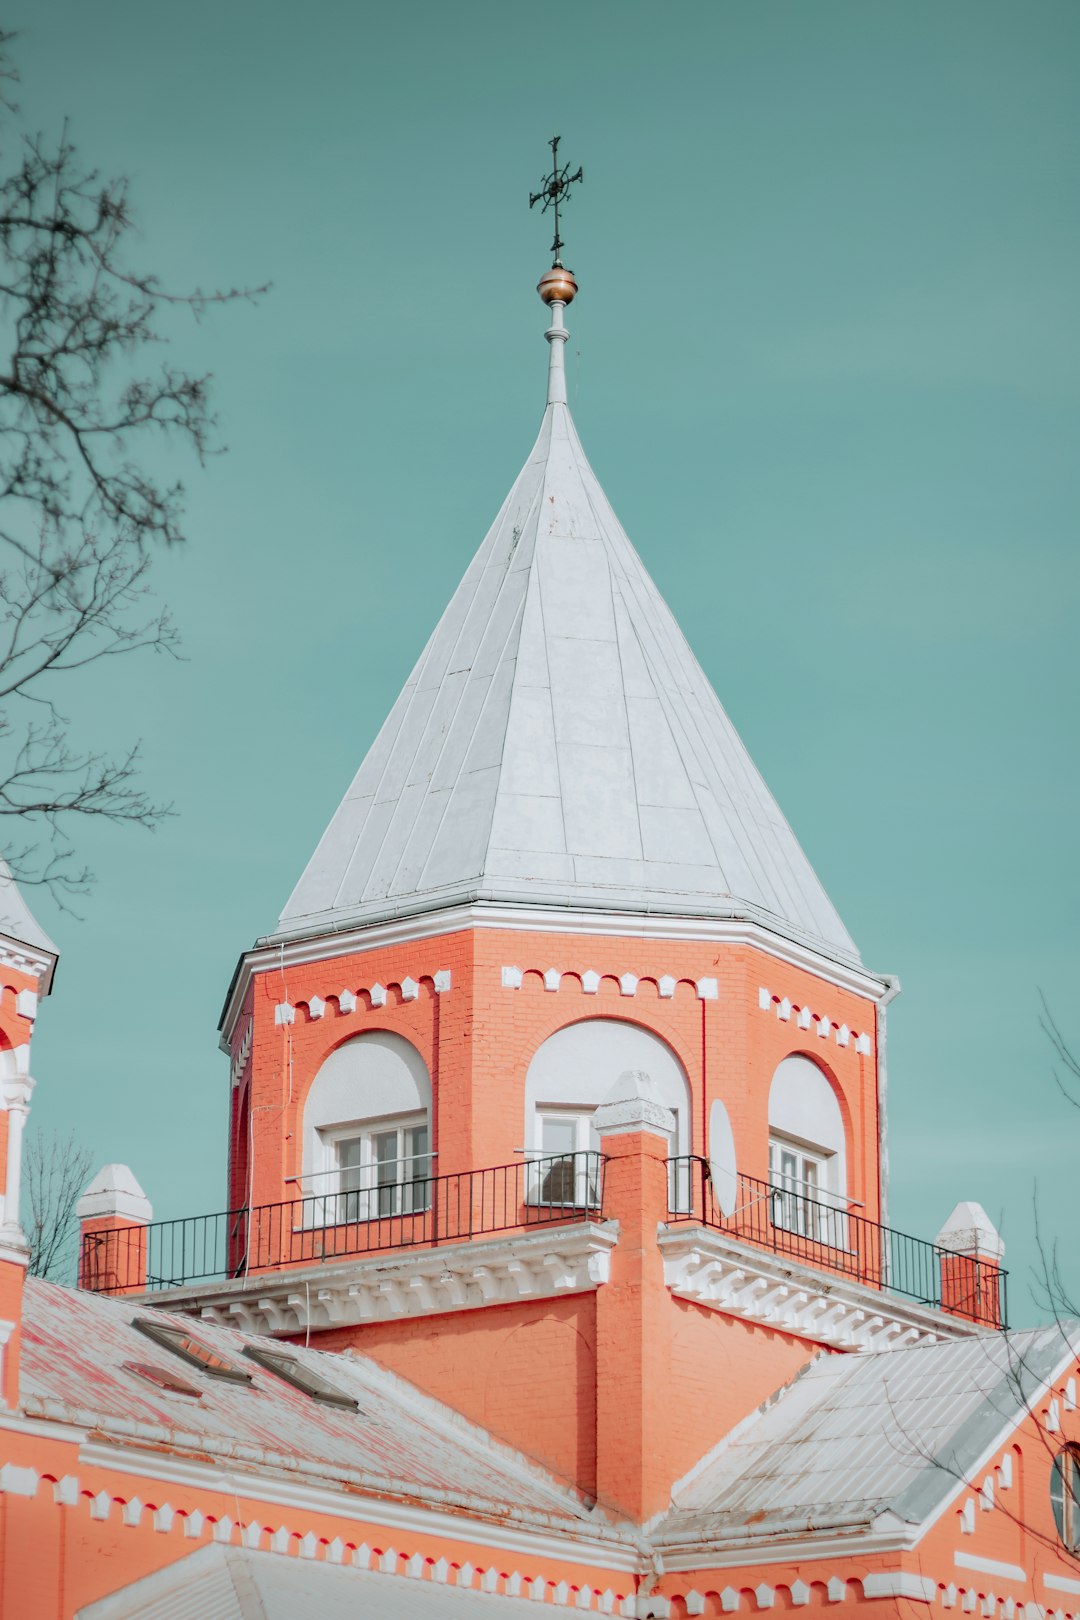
(331, 1226)
(823, 1233)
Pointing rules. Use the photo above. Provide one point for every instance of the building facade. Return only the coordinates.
(556, 1265)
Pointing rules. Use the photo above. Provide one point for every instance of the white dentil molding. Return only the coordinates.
(547, 920)
(716, 1271)
(537, 1264)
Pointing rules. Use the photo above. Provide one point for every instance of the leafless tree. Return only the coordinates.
(81, 513)
(55, 1171)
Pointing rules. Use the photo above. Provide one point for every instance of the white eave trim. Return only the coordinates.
(547, 920)
(217, 1474)
(777, 1291)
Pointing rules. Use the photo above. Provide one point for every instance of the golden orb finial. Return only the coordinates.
(557, 285)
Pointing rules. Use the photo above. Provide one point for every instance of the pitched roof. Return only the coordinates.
(400, 1443)
(558, 743)
(857, 1436)
(17, 921)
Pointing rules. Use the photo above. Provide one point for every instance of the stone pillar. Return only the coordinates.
(633, 1309)
(114, 1213)
(972, 1252)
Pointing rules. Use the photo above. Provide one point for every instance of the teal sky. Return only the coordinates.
(826, 362)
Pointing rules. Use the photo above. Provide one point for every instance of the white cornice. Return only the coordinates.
(538, 1264)
(547, 920)
(776, 1291)
(40, 965)
(760, 1552)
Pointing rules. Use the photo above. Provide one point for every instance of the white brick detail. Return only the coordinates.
(16, 1481)
(666, 986)
(590, 982)
(441, 981)
(316, 1007)
(163, 1518)
(347, 1002)
(410, 990)
(66, 1491)
(284, 1013)
(707, 990)
(511, 978)
(628, 984)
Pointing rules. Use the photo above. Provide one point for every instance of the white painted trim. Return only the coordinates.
(899, 1583)
(539, 1263)
(991, 1566)
(451, 919)
(1062, 1583)
(28, 959)
(841, 1544)
(777, 1291)
(216, 1475)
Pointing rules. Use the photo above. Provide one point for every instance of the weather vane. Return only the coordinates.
(554, 192)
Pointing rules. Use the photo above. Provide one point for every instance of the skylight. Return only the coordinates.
(162, 1378)
(300, 1376)
(192, 1350)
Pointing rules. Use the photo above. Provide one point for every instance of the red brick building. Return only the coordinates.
(556, 1265)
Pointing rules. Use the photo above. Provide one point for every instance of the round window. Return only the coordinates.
(1065, 1496)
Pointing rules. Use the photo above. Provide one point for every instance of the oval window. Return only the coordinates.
(1065, 1496)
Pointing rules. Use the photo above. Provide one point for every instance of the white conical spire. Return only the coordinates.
(558, 743)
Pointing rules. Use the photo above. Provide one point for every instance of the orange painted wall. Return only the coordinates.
(527, 1372)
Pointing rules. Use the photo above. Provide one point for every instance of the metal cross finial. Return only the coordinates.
(555, 191)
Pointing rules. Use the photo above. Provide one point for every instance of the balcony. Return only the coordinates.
(827, 1236)
(420, 1213)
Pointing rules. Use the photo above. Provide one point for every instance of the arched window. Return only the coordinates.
(807, 1154)
(367, 1132)
(569, 1076)
(1065, 1496)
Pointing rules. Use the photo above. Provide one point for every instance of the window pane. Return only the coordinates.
(348, 1157)
(559, 1135)
(1057, 1493)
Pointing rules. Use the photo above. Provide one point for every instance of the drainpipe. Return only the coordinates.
(892, 990)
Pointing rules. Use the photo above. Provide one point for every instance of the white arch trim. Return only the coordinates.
(377, 1075)
(578, 1065)
(803, 1107)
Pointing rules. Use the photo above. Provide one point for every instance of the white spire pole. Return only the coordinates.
(557, 288)
(557, 335)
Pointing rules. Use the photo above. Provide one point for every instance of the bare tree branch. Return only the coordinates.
(81, 513)
(56, 1171)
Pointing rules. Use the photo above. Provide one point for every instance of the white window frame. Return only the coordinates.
(348, 1195)
(585, 1189)
(806, 1205)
